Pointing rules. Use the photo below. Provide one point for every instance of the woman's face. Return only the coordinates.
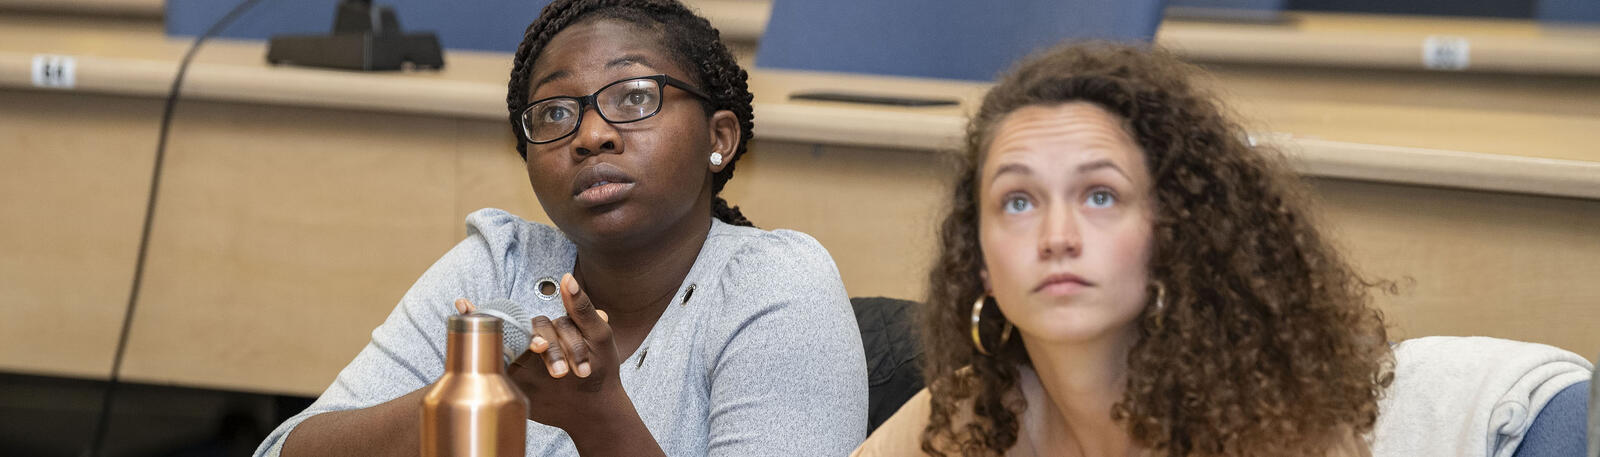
(1065, 222)
(621, 183)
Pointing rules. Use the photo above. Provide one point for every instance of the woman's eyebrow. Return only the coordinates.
(1011, 168)
(630, 59)
(1102, 163)
(554, 75)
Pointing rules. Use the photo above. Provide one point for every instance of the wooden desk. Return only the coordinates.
(298, 205)
(1390, 42)
(126, 8)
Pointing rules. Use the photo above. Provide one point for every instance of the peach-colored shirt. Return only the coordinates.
(901, 435)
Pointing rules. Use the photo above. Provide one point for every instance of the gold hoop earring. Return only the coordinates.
(977, 316)
(1161, 302)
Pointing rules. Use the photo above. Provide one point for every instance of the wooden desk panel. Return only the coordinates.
(1517, 46)
(1552, 118)
(490, 174)
(875, 210)
(283, 236)
(1475, 263)
(73, 187)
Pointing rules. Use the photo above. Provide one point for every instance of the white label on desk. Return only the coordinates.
(1441, 52)
(60, 72)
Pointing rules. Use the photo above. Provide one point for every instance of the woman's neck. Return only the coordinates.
(1070, 398)
(634, 285)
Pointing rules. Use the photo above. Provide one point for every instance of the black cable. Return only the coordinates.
(96, 447)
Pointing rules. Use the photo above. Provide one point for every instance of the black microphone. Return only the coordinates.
(364, 39)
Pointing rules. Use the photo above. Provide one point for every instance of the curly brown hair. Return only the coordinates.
(1267, 343)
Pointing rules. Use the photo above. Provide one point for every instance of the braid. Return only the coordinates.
(729, 214)
(689, 38)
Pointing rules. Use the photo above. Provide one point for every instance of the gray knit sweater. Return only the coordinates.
(764, 359)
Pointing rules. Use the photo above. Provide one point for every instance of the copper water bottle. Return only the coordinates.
(474, 410)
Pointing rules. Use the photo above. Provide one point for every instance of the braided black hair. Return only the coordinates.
(689, 39)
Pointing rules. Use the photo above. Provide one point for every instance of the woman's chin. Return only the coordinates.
(612, 224)
(1074, 326)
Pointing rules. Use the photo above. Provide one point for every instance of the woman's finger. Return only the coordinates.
(577, 349)
(553, 354)
(583, 312)
(464, 306)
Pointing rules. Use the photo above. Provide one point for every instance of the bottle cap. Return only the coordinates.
(474, 323)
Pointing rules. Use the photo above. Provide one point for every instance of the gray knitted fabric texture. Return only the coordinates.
(518, 328)
(1594, 415)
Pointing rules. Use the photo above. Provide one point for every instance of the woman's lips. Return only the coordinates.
(601, 184)
(1062, 284)
(604, 194)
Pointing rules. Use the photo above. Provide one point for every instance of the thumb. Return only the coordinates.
(582, 311)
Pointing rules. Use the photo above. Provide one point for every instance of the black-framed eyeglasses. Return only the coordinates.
(630, 100)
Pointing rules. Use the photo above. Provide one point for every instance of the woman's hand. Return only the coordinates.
(569, 372)
(568, 344)
(570, 376)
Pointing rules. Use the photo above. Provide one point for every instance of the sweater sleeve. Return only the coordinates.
(406, 352)
(791, 378)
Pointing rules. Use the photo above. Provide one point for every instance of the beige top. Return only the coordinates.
(901, 435)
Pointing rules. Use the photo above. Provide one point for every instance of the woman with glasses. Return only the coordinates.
(681, 329)
(1122, 273)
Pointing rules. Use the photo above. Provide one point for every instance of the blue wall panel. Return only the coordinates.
(1568, 11)
(952, 39)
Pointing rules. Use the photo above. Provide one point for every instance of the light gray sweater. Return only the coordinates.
(763, 359)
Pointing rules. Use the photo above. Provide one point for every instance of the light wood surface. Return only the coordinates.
(1544, 117)
(131, 8)
(1389, 41)
(73, 187)
(1480, 145)
(875, 209)
(1447, 144)
(1475, 263)
(736, 20)
(278, 224)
